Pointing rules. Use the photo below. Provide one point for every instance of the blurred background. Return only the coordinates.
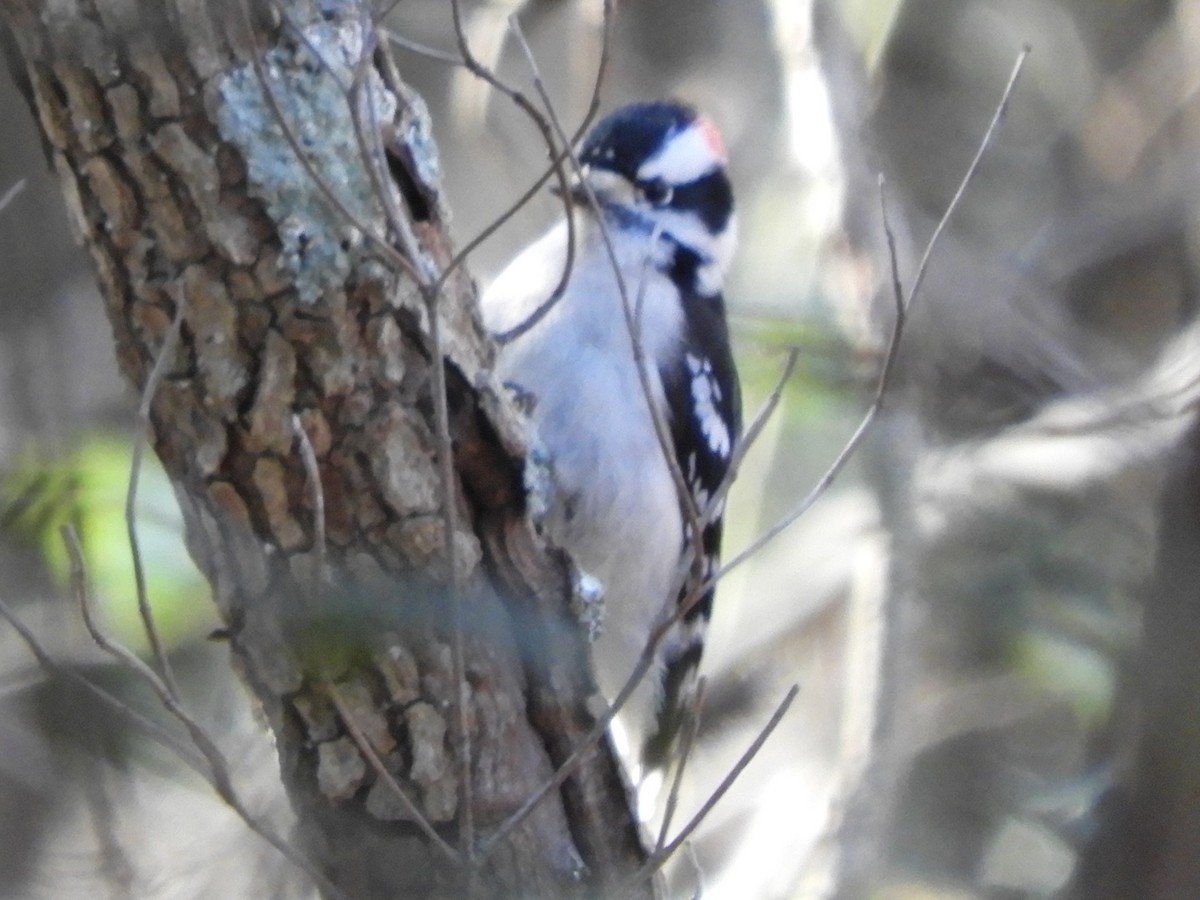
(993, 613)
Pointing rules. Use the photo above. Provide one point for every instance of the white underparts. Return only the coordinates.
(617, 511)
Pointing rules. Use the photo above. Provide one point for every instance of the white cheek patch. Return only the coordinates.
(704, 394)
(687, 155)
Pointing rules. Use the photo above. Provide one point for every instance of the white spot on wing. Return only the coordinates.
(704, 391)
(686, 156)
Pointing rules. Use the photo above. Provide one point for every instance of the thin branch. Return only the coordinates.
(752, 433)
(543, 126)
(220, 776)
(165, 356)
(11, 194)
(367, 137)
(685, 752)
(431, 292)
(317, 494)
(449, 525)
(54, 668)
(969, 176)
(346, 714)
(556, 161)
(568, 766)
(371, 150)
(818, 490)
(382, 13)
(431, 286)
(661, 856)
(903, 307)
(754, 429)
(420, 49)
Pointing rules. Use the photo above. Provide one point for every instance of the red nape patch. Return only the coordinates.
(712, 137)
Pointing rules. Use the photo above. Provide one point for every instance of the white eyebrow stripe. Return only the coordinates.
(687, 155)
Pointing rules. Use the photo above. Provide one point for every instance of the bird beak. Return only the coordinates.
(575, 191)
(610, 188)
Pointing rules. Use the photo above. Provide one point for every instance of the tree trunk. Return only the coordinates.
(297, 287)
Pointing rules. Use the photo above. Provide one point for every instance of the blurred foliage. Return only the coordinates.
(88, 491)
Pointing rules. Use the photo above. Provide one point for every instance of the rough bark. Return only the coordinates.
(186, 191)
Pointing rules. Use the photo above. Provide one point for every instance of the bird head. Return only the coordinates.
(661, 167)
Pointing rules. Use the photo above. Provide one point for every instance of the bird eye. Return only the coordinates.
(656, 193)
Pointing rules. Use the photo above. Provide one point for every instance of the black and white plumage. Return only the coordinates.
(657, 172)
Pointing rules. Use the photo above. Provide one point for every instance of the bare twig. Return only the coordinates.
(568, 766)
(557, 158)
(54, 668)
(378, 15)
(11, 194)
(431, 292)
(543, 126)
(904, 303)
(969, 175)
(662, 855)
(751, 434)
(754, 429)
(449, 525)
(420, 49)
(346, 714)
(166, 354)
(431, 286)
(220, 776)
(685, 752)
(371, 150)
(367, 137)
(317, 493)
(900, 310)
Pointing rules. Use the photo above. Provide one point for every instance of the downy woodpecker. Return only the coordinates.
(659, 240)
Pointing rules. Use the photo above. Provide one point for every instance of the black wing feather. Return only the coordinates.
(704, 460)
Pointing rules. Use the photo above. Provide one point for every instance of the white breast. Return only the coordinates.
(616, 509)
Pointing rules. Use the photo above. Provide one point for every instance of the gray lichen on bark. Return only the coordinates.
(308, 78)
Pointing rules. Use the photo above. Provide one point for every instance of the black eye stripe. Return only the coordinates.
(657, 192)
(711, 197)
